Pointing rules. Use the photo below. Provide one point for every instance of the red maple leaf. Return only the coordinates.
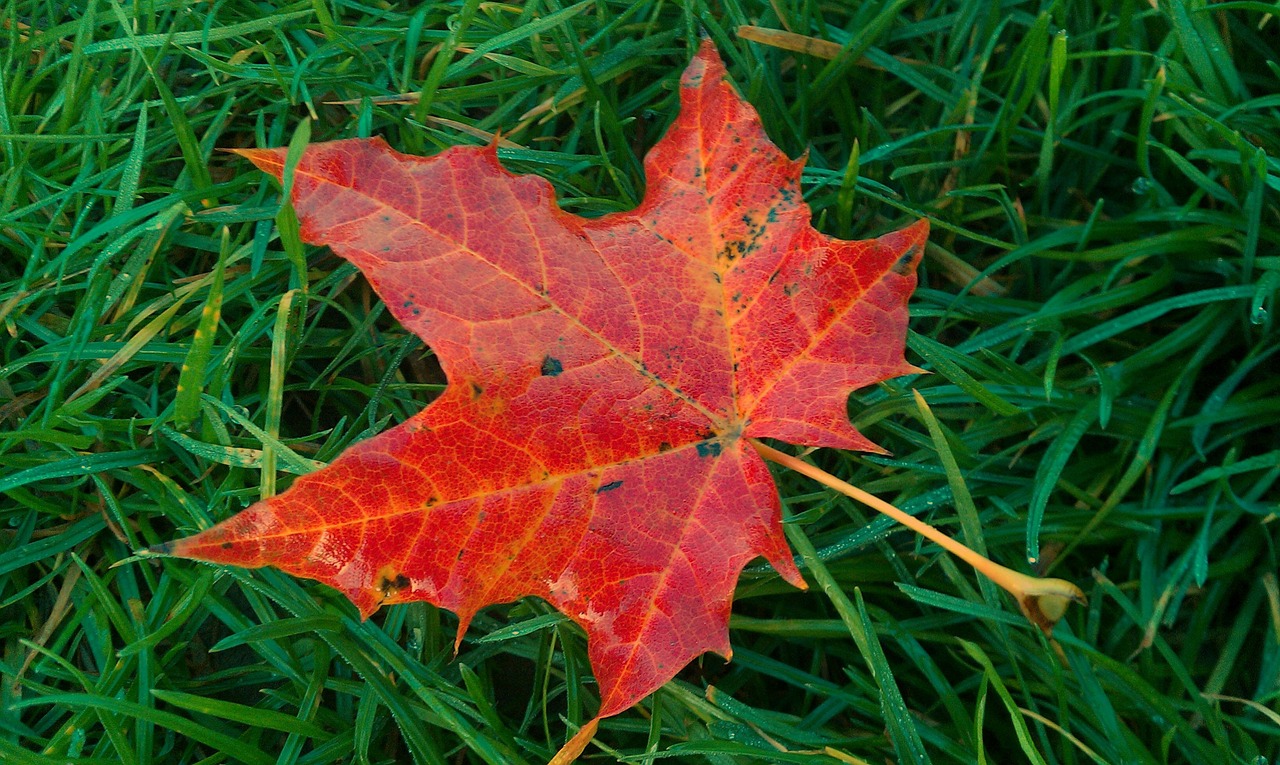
(605, 379)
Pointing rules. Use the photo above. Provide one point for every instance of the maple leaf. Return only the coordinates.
(593, 446)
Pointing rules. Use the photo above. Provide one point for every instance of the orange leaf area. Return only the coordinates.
(604, 377)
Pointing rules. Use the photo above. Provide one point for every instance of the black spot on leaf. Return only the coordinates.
(551, 366)
(903, 266)
(389, 585)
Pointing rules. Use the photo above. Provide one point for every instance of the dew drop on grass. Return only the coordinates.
(1258, 315)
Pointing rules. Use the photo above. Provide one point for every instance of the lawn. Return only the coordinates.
(1096, 308)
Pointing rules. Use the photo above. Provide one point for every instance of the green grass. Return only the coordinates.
(1097, 307)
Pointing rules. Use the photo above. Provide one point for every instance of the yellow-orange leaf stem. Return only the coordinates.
(574, 746)
(1043, 601)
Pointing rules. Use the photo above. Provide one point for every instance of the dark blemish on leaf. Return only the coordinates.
(386, 219)
(431, 502)
(903, 266)
(664, 447)
(476, 391)
(790, 289)
(228, 545)
(733, 168)
(551, 366)
(390, 586)
(460, 554)
(772, 215)
(608, 487)
(709, 449)
(736, 297)
(774, 275)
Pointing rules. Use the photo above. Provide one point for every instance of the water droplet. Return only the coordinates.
(1141, 186)
(1259, 315)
